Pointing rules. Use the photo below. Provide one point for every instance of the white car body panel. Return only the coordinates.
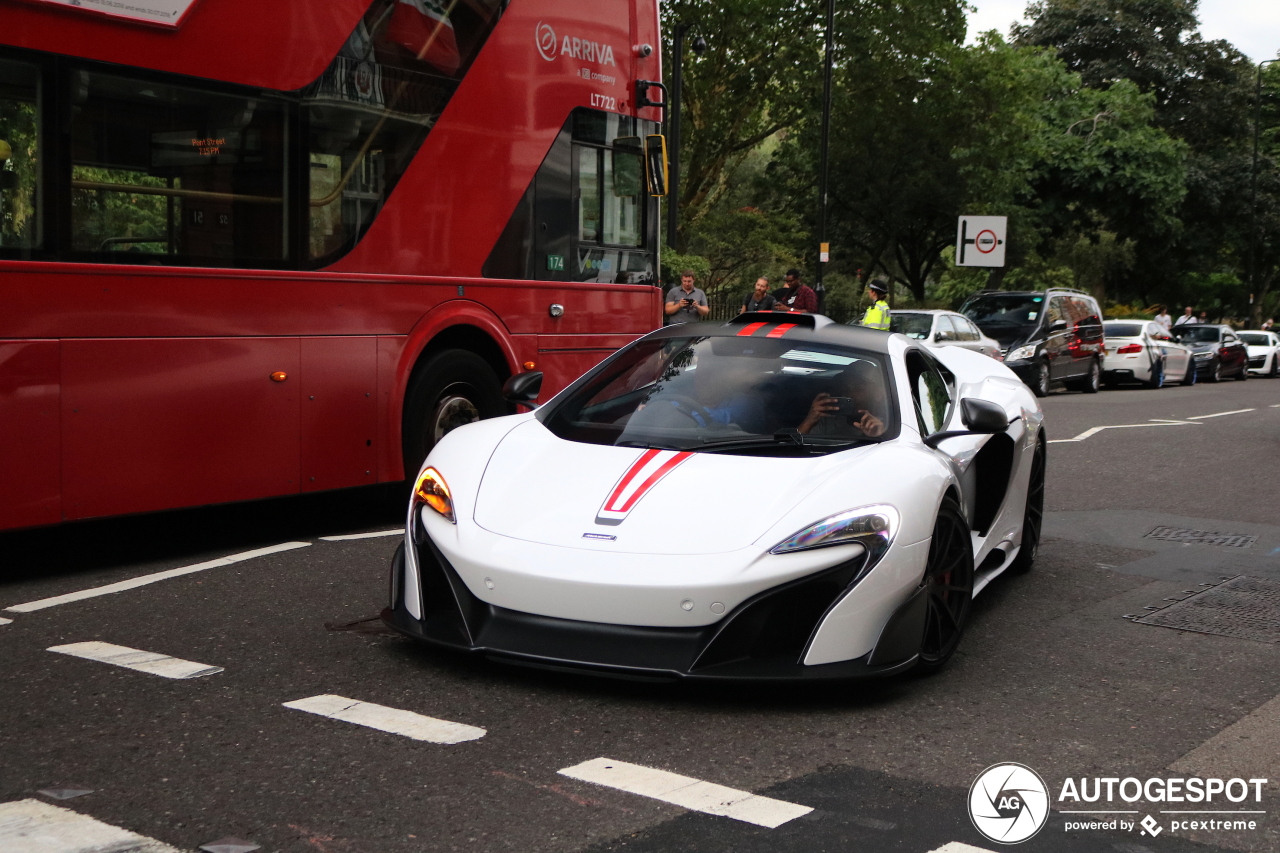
(1175, 357)
(1269, 354)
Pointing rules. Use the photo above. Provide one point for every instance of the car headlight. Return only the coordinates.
(1204, 355)
(1021, 353)
(432, 490)
(873, 527)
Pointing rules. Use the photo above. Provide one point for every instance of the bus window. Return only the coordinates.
(175, 175)
(623, 166)
(588, 194)
(19, 156)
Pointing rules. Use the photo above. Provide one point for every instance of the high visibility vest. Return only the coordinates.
(877, 316)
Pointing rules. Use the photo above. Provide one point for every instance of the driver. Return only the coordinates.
(858, 384)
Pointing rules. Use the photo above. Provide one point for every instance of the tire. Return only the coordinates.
(948, 584)
(1189, 378)
(1275, 366)
(449, 389)
(1244, 372)
(1215, 375)
(1157, 374)
(1041, 386)
(1032, 514)
(1093, 380)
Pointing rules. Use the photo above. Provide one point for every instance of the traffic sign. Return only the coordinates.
(980, 241)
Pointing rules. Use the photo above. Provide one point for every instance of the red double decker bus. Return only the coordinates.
(257, 247)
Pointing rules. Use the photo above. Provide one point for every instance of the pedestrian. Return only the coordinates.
(1163, 318)
(877, 316)
(1188, 317)
(795, 296)
(759, 299)
(1268, 323)
(686, 303)
(1204, 316)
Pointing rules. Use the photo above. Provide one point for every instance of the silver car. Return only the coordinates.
(1143, 351)
(943, 329)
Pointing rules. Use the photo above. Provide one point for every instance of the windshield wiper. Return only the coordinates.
(654, 445)
(777, 440)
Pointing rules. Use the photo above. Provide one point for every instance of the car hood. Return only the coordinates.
(1010, 337)
(541, 488)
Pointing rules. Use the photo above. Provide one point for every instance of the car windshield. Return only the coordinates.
(1004, 309)
(1122, 330)
(727, 393)
(915, 326)
(1192, 334)
(1254, 339)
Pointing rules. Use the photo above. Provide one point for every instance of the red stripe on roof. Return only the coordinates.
(750, 329)
(781, 330)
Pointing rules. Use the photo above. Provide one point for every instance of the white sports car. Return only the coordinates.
(774, 498)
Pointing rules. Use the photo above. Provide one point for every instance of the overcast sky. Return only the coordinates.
(1253, 26)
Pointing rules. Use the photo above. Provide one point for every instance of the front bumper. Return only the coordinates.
(763, 639)
(1027, 370)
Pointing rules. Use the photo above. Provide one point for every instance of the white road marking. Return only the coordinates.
(957, 847)
(1095, 430)
(30, 826)
(399, 531)
(134, 583)
(1219, 414)
(4, 621)
(393, 720)
(149, 662)
(688, 793)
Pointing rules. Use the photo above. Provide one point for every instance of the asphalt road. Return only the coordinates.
(1051, 675)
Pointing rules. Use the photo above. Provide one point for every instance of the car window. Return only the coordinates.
(1123, 330)
(1057, 309)
(1255, 339)
(932, 392)
(913, 325)
(944, 325)
(1196, 334)
(964, 329)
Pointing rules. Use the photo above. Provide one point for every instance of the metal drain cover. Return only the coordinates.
(1202, 537)
(1243, 607)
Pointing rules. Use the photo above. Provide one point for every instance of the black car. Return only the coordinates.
(1048, 337)
(1218, 353)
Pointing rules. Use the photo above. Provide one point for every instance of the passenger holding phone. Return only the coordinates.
(847, 416)
(686, 303)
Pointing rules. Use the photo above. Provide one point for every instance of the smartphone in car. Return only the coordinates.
(847, 407)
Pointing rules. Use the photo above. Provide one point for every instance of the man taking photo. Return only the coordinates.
(686, 303)
(795, 296)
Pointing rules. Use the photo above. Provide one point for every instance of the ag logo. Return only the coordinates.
(1008, 803)
(545, 37)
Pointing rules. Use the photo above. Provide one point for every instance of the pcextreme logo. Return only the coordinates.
(545, 38)
(1008, 803)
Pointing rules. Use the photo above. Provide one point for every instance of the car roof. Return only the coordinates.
(923, 311)
(804, 327)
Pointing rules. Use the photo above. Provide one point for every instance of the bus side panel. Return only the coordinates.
(156, 423)
(30, 428)
(339, 412)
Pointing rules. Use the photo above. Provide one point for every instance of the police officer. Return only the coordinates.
(877, 316)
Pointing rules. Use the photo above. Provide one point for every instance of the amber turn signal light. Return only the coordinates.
(530, 365)
(432, 491)
(279, 376)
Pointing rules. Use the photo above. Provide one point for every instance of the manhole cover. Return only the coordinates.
(1245, 608)
(1202, 537)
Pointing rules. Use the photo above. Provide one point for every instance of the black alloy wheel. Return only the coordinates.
(1244, 371)
(948, 585)
(1094, 378)
(1041, 388)
(452, 388)
(1033, 514)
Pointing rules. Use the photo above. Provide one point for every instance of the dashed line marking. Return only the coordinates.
(4, 621)
(683, 791)
(399, 531)
(1220, 414)
(384, 719)
(134, 583)
(1092, 431)
(136, 659)
(30, 826)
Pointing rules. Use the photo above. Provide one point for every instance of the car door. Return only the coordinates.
(1088, 338)
(1234, 354)
(1057, 341)
(1177, 358)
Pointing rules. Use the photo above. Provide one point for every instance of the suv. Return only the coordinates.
(1048, 337)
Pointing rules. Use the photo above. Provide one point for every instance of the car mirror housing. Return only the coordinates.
(944, 336)
(980, 417)
(522, 389)
(1057, 325)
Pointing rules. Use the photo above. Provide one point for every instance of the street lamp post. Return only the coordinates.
(673, 127)
(819, 289)
(1253, 183)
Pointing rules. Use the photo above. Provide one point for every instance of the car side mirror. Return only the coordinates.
(522, 389)
(1057, 325)
(981, 417)
(944, 336)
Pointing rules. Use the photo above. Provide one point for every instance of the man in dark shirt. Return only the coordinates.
(795, 296)
(759, 299)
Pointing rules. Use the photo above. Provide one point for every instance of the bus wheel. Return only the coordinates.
(454, 387)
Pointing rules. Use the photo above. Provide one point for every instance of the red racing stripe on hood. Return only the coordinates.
(637, 481)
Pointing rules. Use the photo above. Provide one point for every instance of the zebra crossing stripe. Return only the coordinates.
(392, 720)
(30, 826)
(136, 659)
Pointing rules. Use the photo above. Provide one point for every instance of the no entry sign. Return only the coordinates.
(980, 241)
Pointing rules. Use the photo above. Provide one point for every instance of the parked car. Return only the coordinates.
(1142, 351)
(1217, 351)
(1264, 352)
(835, 536)
(943, 329)
(1050, 337)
